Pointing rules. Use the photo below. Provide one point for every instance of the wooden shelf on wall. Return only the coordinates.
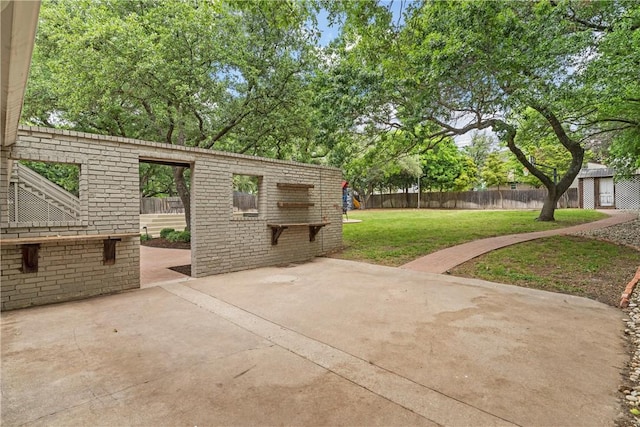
(46, 239)
(294, 186)
(295, 204)
(277, 229)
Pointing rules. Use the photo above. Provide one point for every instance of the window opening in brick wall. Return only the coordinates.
(44, 192)
(159, 192)
(246, 189)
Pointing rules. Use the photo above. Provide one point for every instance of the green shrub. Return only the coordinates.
(165, 232)
(144, 237)
(179, 236)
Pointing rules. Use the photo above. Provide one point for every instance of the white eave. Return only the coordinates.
(17, 36)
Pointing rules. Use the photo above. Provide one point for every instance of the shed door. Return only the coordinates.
(606, 192)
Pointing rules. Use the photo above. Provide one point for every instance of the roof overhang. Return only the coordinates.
(18, 33)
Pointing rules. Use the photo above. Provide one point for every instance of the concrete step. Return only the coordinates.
(150, 217)
(161, 217)
(163, 223)
(156, 222)
(155, 231)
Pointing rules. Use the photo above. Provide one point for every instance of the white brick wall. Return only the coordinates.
(221, 243)
(68, 271)
(110, 203)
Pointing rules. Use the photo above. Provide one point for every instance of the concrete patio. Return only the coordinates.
(155, 264)
(329, 342)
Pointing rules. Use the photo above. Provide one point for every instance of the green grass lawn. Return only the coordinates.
(395, 237)
(566, 264)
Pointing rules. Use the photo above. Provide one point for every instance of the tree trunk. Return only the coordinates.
(555, 190)
(183, 192)
(549, 207)
(178, 176)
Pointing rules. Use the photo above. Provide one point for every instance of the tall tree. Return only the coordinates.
(482, 144)
(156, 180)
(229, 75)
(403, 173)
(445, 168)
(458, 66)
(494, 172)
(613, 75)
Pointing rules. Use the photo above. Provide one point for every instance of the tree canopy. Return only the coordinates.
(455, 66)
(550, 78)
(211, 74)
(227, 75)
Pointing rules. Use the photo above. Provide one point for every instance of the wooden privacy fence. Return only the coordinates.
(244, 202)
(489, 199)
(157, 205)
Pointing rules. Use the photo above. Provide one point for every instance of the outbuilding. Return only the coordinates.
(597, 189)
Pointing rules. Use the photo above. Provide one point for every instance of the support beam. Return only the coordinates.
(19, 23)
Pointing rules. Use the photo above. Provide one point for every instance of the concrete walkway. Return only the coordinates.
(155, 263)
(329, 342)
(444, 260)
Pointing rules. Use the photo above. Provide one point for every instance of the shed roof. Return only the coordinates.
(596, 173)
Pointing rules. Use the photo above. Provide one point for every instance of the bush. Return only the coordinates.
(144, 237)
(179, 236)
(164, 233)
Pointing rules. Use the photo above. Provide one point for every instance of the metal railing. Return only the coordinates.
(45, 191)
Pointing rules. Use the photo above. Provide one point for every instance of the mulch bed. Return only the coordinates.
(182, 269)
(159, 242)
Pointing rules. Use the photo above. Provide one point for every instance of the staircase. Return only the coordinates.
(156, 222)
(33, 198)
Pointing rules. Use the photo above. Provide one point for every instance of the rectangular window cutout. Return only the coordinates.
(30, 258)
(44, 192)
(109, 251)
(246, 190)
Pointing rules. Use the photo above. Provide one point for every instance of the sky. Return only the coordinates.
(329, 33)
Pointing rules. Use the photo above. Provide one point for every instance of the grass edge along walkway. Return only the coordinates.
(445, 259)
